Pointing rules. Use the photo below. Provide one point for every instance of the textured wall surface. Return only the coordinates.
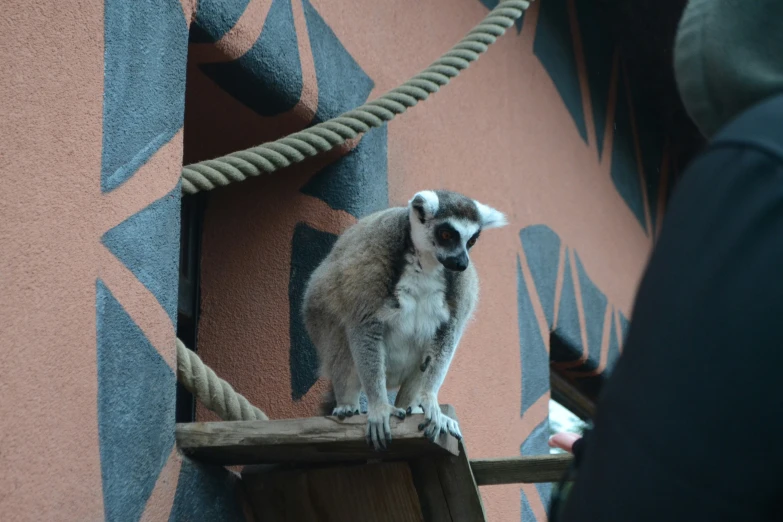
(92, 151)
(544, 127)
(104, 101)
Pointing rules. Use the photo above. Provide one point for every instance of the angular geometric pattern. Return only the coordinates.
(651, 147)
(142, 113)
(625, 172)
(358, 182)
(342, 84)
(205, 493)
(526, 510)
(594, 304)
(599, 53)
(542, 250)
(569, 320)
(566, 341)
(566, 347)
(136, 394)
(532, 347)
(142, 116)
(148, 245)
(215, 18)
(561, 51)
(554, 47)
(308, 248)
(143, 99)
(268, 78)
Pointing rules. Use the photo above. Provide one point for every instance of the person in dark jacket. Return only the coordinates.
(687, 426)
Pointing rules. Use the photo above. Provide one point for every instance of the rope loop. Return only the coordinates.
(275, 155)
(214, 393)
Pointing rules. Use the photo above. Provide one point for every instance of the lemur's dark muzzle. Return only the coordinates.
(456, 263)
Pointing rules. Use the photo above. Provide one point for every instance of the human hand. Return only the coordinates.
(564, 441)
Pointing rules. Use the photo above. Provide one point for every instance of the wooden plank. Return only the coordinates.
(516, 470)
(315, 439)
(459, 487)
(381, 492)
(434, 507)
(280, 500)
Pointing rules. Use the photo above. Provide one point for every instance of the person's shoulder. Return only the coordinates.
(760, 127)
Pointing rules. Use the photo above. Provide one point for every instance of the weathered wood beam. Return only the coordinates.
(516, 470)
(308, 440)
(317, 440)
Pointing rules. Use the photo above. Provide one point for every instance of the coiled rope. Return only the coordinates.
(275, 155)
(215, 393)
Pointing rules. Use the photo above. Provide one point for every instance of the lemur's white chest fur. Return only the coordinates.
(421, 294)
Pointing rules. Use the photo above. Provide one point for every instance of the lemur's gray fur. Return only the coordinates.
(388, 305)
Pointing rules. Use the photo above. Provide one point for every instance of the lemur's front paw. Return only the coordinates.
(378, 428)
(435, 421)
(345, 410)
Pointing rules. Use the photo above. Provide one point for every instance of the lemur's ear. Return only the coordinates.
(490, 218)
(424, 204)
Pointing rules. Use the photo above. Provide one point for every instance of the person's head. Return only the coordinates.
(728, 56)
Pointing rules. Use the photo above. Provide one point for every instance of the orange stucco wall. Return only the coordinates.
(54, 215)
(103, 102)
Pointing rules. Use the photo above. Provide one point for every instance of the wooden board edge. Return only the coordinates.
(459, 485)
(233, 443)
(520, 470)
(434, 507)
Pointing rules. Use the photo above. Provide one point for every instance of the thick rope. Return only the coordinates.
(275, 155)
(214, 393)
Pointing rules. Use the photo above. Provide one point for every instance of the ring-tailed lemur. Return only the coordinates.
(387, 307)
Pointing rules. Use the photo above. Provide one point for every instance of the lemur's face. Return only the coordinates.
(452, 239)
(447, 225)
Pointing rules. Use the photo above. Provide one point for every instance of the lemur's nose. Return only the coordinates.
(457, 263)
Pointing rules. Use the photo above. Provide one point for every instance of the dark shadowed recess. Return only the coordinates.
(645, 32)
(189, 297)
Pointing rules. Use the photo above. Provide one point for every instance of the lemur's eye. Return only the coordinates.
(445, 235)
(471, 242)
